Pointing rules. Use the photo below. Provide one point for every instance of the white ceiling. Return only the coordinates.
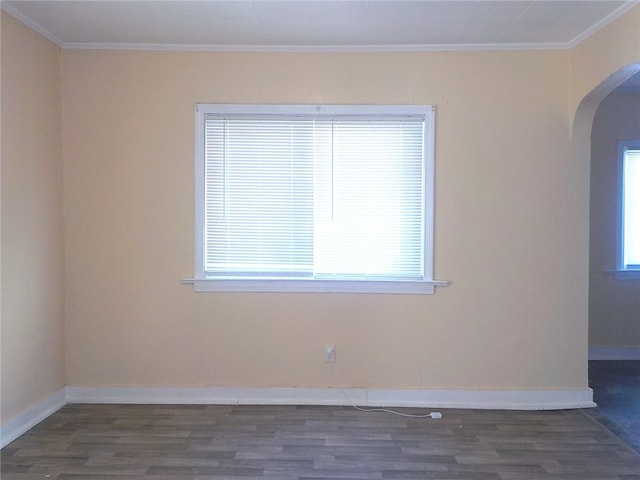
(317, 25)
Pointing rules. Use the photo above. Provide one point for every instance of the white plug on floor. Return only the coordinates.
(435, 415)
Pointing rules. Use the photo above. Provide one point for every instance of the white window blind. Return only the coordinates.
(315, 195)
(631, 209)
(369, 198)
(259, 197)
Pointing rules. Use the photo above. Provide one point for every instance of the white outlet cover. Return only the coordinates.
(330, 354)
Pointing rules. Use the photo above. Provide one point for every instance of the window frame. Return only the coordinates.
(622, 271)
(427, 285)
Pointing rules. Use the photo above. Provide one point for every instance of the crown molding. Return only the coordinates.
(466, 47)
(618, 12)
(32, 24)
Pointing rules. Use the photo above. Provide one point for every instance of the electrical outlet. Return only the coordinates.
(330, 354)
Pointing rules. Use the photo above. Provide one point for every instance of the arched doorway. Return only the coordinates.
(601, 123)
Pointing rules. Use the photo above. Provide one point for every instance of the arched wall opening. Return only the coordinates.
(604, 118)
(582, 134)
(581, 157)
(614, 300)
(584, 120)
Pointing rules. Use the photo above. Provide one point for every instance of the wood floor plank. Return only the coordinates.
(198, 442)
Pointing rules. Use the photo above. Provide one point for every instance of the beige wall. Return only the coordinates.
(512, 318)
(512, 191)
(599, 65)
(611, 49)
(32, 222)
(614, 305)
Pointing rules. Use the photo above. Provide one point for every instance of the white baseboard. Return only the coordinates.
(482, 399)
(30, 417)
(614, 353)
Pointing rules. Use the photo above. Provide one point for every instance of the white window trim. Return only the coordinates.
(202, 283)
(621, 272)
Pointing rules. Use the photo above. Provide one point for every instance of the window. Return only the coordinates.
(629, 212)
(314, 198)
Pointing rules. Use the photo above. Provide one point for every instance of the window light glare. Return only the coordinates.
(631, 202)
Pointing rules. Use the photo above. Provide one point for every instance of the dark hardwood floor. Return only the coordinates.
(197, 442)
(616, 390)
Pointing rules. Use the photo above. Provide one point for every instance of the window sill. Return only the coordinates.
(315, 286)
(625, 274)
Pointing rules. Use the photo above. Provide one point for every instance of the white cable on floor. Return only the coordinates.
(433, 415)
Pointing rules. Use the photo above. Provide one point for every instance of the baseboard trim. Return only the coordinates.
(614, 353)
(30, 417)
(481, 399)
